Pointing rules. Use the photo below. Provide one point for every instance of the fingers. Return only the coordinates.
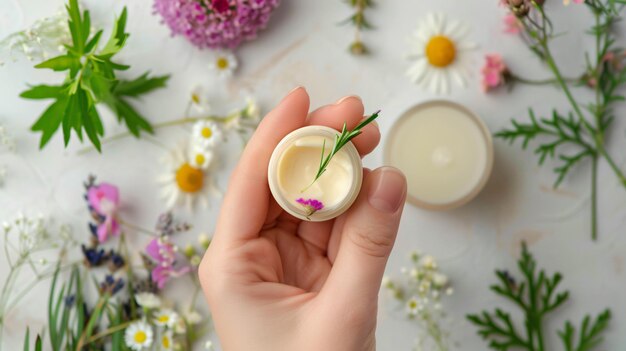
(369, 233)
(348, 110)
(245, 206)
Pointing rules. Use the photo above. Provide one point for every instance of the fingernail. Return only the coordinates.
(340, 101)
(292, 91)
(387, 190)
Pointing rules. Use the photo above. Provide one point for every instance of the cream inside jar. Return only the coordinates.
(295, 163)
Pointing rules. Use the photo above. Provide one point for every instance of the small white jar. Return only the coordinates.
(294, 164)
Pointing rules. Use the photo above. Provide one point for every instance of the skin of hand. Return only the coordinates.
(276, 283)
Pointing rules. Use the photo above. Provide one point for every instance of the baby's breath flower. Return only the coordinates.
(193, 317)
(204, 240)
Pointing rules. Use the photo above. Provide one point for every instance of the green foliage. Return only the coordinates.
(91, 80)
(536, 296)
(360, 22)
(559, 132)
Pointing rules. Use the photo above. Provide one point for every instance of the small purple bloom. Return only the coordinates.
(310, 206)
(111, 285)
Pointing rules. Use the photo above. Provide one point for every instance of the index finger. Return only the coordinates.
(245, 206)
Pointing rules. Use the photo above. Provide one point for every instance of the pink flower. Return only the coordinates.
(512, 24)
(163, 253)
(104, 200)
(494, 72)
(220, 24)
(567, 2)
(310, 205)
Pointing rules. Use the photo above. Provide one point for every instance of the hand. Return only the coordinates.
(276, 283)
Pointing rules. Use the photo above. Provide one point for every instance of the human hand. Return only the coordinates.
(276, 283)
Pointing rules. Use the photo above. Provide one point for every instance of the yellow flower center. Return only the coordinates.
(412, 304)
(200, 159)
(440, 51)
(222, 63)
(206, 132)
(189, 180)
(195, 98)
(140, 337)
(165, 341)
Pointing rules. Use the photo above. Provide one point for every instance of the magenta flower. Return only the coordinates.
(216, 24)
(310, 206)
(164, 254)
(494, 72)
(103, 199)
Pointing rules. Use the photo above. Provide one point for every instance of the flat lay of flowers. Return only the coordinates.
(122, 122)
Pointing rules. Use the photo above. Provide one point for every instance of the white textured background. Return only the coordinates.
(305, 46)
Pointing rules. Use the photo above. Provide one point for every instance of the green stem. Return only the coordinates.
(137, 228)
(594, 197)
(109, 331)
(541, 81)
(176, 122)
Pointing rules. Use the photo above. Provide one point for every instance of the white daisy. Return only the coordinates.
(440, 51)
(199, 100)
(223, 63)
(205, 134)
(183, 183)
(413, 306)
(138, 335)
(200, 158)
(166, 341)
(166, 318)
(148, 300)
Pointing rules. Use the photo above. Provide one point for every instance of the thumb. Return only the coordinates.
(368, 236)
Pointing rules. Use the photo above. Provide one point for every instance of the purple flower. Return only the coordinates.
(104, 199)
(216, 24)
(164, 254)
(310, 206)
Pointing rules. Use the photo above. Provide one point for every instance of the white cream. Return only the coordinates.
(299, 163)
(445, 152)
(295, 163)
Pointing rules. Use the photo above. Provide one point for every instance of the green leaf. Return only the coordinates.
(61, 63)
(134, 121)
(38, 344)
(91, 120)
(76, 26)
(50, 121)
(118, 36)
(44, 92)
(72, 119)
(93, 42)
(140, 85)
(27, 340)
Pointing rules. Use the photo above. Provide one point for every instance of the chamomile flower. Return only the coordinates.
(148, 300)
(224, 64)
(200, 158)
(199, 100)
(167, 341)
(413, 306)
(193, 317)
(205, 134)
(166, 318)
(440, 51)
(183, 183)
(138, 335)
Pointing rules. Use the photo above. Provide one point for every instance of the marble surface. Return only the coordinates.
(304, 45)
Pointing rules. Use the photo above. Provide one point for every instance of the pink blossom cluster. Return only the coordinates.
(217, 24)
(494, 72)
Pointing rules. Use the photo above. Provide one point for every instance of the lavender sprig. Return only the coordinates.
(340, 141)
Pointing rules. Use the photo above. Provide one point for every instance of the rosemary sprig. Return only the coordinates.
(340, 141)
(536, 296)
(360, 23)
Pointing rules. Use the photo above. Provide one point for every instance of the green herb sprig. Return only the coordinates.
(91, 80)
(536, 296)
(358, 20)
(340, 141)
(585, 129)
